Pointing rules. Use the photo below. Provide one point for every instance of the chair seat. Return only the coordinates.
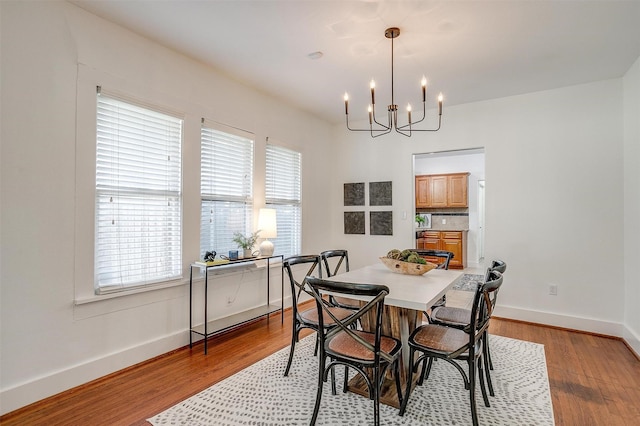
(452, 316)
(311, 315)
(440, 339)
(347, 346)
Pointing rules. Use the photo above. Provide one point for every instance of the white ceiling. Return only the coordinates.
(468, 50)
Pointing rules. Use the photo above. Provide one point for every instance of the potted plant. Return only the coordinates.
(245, 242)
(419, 221)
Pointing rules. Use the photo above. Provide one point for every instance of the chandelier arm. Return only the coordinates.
(403, 133)
(423, 130)
(413, 123)
(385, 130)
(375, 120)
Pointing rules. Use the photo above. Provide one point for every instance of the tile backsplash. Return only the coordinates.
(454, 222)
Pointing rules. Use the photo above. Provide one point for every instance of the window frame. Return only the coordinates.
(139, 142)
(280, 203)
(229, 194)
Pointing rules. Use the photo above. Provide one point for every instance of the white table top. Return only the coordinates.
(417, 292)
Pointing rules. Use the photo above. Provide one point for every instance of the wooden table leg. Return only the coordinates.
(399, 323)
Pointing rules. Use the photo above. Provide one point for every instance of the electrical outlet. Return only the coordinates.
(553, 289)
(444, 221)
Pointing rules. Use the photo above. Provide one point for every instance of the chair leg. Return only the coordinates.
(316, 407)
(345, 386)
(472, 389)
(333, 381)
(407, 392)
(482, 384)
(426, 370)
(376, 395)
(487, 362)
(294, 339)
(396, 372)
(488, 352)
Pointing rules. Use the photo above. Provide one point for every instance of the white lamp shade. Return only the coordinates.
(267, 223)
(268, 229)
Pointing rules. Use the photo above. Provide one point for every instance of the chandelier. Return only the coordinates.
(378, 129)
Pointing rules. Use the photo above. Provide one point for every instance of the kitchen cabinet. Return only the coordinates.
(442, 191)
(453, 241)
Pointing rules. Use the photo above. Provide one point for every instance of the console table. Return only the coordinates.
(209, 328)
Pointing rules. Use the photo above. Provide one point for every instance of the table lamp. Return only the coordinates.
(268, 229)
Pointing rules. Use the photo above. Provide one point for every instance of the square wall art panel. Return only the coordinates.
(354, 223)
(381, 223)
(380, 193)
(354, 194)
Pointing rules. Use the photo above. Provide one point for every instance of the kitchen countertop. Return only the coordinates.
(444, 228)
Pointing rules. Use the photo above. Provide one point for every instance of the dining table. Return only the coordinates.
(409, 296)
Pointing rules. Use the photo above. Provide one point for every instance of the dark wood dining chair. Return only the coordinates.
(335, 262)
(435, 341)
(446, 256)
(369, 353)
(459, 318)
(306, 318)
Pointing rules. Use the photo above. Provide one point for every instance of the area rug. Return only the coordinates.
(467, 282)
(261, 395)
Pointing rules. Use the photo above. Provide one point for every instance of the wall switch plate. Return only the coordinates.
(553, 289)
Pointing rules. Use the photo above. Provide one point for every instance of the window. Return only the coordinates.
(283, 193)
(226, 188)
(138, 237)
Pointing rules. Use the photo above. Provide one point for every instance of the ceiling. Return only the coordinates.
(468, 50)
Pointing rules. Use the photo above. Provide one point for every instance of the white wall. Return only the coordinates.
(554, 198)
(53, 55)
(632, 204)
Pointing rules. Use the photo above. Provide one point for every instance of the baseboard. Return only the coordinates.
(632, 340)
(590, 325)
(59, 381)
(43, 387)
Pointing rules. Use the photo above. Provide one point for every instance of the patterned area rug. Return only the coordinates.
(467, 282)
(261, 395)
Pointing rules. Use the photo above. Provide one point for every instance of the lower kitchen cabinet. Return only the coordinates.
(453, 241)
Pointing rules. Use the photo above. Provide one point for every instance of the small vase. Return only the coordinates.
(246, 253)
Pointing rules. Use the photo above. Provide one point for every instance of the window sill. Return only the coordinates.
(142, 289)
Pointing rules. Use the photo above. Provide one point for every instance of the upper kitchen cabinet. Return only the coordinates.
(442, 191)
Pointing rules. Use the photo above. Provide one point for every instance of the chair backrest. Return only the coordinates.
(442, 254)
(297, 278)
(498, 265)
(483, 304)
(335, 261)
(376, 292)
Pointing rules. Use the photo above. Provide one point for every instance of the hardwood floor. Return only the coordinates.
(594, 380)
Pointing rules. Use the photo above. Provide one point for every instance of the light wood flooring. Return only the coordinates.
(594, 380)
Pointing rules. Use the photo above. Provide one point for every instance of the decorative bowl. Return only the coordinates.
(407, 267)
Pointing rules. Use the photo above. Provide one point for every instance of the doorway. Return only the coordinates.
(457, 161)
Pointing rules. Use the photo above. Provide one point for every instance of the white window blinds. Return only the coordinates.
(226, 189)
(138, 196)
(283, 192)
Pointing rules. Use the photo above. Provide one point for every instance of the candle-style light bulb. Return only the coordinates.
(440, 99)
(409, 112)
(370, 114)
(346, 103)
(373, 89)
(424, 88)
